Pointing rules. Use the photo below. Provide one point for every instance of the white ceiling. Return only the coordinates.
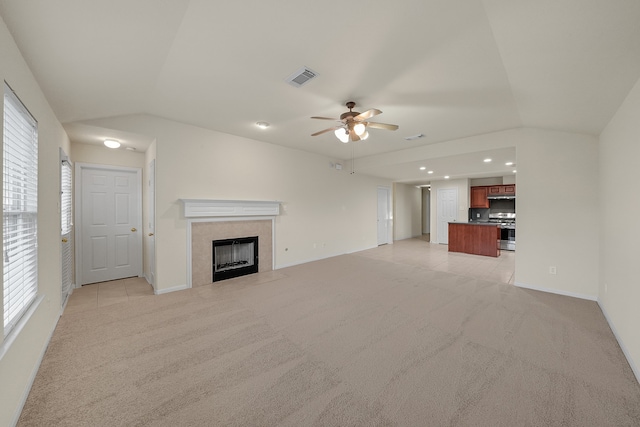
(445, 68)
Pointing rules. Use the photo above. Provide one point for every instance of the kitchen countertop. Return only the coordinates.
(495, 224)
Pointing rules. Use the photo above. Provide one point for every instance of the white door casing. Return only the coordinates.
(383, 215)
(151, 242)
(109, 217)
(66, 228)
(447, 212)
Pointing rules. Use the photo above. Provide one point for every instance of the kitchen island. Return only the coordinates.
(475, 238)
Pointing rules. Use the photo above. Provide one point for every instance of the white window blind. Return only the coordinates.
(65, 198)
(20, 209)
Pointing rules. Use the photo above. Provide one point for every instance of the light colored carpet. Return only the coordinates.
(368, 339)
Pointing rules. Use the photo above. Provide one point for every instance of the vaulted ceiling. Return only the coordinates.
(446, 69)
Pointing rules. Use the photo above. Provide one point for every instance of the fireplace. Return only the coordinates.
(234, 257)
(210, 219)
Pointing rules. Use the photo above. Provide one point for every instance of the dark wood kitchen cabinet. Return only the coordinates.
(500, 190)
(479, 197)
(476, 239)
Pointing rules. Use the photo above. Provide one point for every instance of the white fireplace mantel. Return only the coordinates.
(199, 208)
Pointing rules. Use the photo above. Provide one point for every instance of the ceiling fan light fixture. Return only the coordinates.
(359, 129)
(354, 125)
(342, 135)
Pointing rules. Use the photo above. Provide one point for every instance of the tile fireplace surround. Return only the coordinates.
(210, 220)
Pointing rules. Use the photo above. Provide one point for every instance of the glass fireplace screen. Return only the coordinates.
(234, 257)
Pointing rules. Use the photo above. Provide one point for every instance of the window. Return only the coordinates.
(66, 225)
(20, 209)
(65, 198)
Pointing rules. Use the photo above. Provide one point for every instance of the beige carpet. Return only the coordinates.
(368, 339)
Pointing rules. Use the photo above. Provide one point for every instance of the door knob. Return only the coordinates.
(134, 229)
(150, 234)
(64, 240)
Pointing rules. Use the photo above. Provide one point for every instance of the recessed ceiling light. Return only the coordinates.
(514, 171)
(429, 171)
(262, 125)
(446, 177)
(111, 143)
(509, 164)
(422, 168)
(487, 160)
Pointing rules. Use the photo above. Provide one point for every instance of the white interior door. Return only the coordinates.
(110, 220)
(151, 238)
(383, 216)
(447, 212)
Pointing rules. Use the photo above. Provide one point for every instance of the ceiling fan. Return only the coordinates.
(354, 125)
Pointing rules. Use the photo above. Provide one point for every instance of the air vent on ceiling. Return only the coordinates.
(301, 77)
(413, 137)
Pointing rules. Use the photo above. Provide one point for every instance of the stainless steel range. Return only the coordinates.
(507, 221)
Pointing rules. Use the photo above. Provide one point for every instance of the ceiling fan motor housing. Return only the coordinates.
(348, 115)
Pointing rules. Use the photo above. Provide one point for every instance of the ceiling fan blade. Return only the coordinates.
(326, 118)
(353, 136)
(369, 113)
(326, 130)
(381, 126)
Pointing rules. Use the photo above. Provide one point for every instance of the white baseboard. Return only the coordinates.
(556, 291)
(172, 289)
(634, 368)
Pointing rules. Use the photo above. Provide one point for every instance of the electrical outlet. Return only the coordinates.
(552, 270)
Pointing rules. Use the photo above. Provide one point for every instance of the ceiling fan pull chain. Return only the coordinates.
(353, 161)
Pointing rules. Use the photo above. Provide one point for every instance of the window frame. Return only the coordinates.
(20, 211)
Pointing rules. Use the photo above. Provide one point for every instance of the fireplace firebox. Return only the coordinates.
(234, 257)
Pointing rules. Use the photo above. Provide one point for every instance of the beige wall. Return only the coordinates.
(509, 179)
(99, 154)
(19, 360)
(426, 210)
(476, 182)
(324, 212)
(557, 209)
(407, 211)
(619, 203)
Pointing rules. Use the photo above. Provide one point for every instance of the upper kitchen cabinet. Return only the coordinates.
(479, 197)
(502, 190)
